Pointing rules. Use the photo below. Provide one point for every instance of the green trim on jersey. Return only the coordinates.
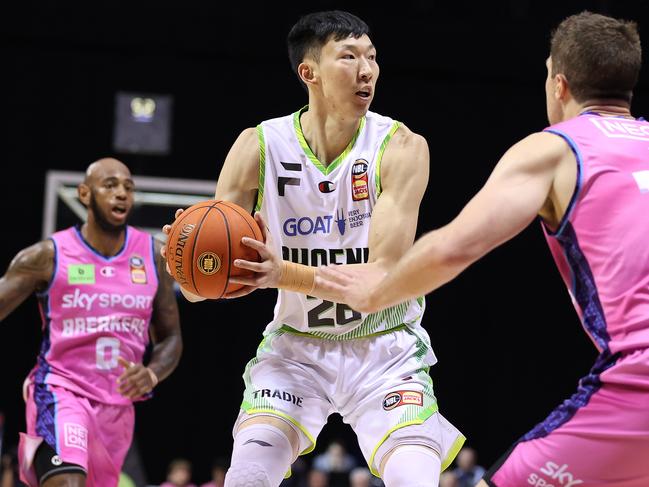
(379, 157)
(262, 167)
(423, 416)
(329, 336)
(453, 451)
(391, 318)
(309, 153)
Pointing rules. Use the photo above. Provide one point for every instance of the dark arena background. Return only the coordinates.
(469, 76)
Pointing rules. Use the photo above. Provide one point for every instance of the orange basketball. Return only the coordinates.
(204, 241)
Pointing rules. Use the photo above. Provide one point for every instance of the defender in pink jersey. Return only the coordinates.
(99, 287)
(587, 176)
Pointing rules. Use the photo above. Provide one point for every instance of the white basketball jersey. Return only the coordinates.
(320, 215)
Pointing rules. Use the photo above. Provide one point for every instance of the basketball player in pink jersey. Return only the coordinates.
(99, 286)
(587, 177)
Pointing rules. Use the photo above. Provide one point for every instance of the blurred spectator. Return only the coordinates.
(133, 466)
(125, 480)
(468, 471)
(318, 478)
(179, 474)
(360, 477)
(9, 469)
(448, 479)
(335, 459)
(219, 468)
(299, 474)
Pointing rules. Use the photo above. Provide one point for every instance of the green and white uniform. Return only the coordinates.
(319, 357)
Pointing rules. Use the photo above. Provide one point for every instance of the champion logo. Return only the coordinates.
(326, 186)
(107, 271)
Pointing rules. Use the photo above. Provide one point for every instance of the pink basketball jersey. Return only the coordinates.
(602, 244)
(95, 309)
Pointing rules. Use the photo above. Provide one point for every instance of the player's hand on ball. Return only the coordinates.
(266, 272)
(136, 380)
(166, 229)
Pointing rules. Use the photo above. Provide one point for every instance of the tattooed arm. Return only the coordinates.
(29, 271)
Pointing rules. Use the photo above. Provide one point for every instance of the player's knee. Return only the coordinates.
(412, 466)
(246, 474)
(261, 456)
(276, 425)
(65, 480)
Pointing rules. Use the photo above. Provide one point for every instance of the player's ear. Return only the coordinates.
(307, 72)
(561, 86)
(83, 191)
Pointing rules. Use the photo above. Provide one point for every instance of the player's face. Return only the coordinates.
(552, 105)
(111, 200)
(348, 72)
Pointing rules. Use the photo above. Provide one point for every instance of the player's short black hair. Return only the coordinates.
(314, 30)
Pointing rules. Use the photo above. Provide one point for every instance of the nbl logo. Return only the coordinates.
(360, 187)
(209, 263)
(402, 398)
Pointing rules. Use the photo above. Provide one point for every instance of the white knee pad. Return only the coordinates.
(261, 456)
(412, 466)
(425, 434)
(246, 474)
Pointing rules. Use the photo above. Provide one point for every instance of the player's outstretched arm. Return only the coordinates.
(517, 190)
(29, 271)
(137, 379)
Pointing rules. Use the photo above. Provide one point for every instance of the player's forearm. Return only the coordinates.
(429, 264)
(303, 279)
(166, 355)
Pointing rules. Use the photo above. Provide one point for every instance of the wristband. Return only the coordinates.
(297, 277)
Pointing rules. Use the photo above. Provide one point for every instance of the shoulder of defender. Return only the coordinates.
(543, 146)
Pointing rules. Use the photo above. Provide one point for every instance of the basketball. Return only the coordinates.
(204, 241)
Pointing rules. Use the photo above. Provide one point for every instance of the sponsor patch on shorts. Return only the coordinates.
(402, 398)
(76, 436)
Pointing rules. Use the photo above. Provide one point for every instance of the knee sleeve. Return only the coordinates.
(424, 434)
(412, 466)
(261, 456)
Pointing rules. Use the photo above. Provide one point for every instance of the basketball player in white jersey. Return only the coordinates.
(334, 181)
